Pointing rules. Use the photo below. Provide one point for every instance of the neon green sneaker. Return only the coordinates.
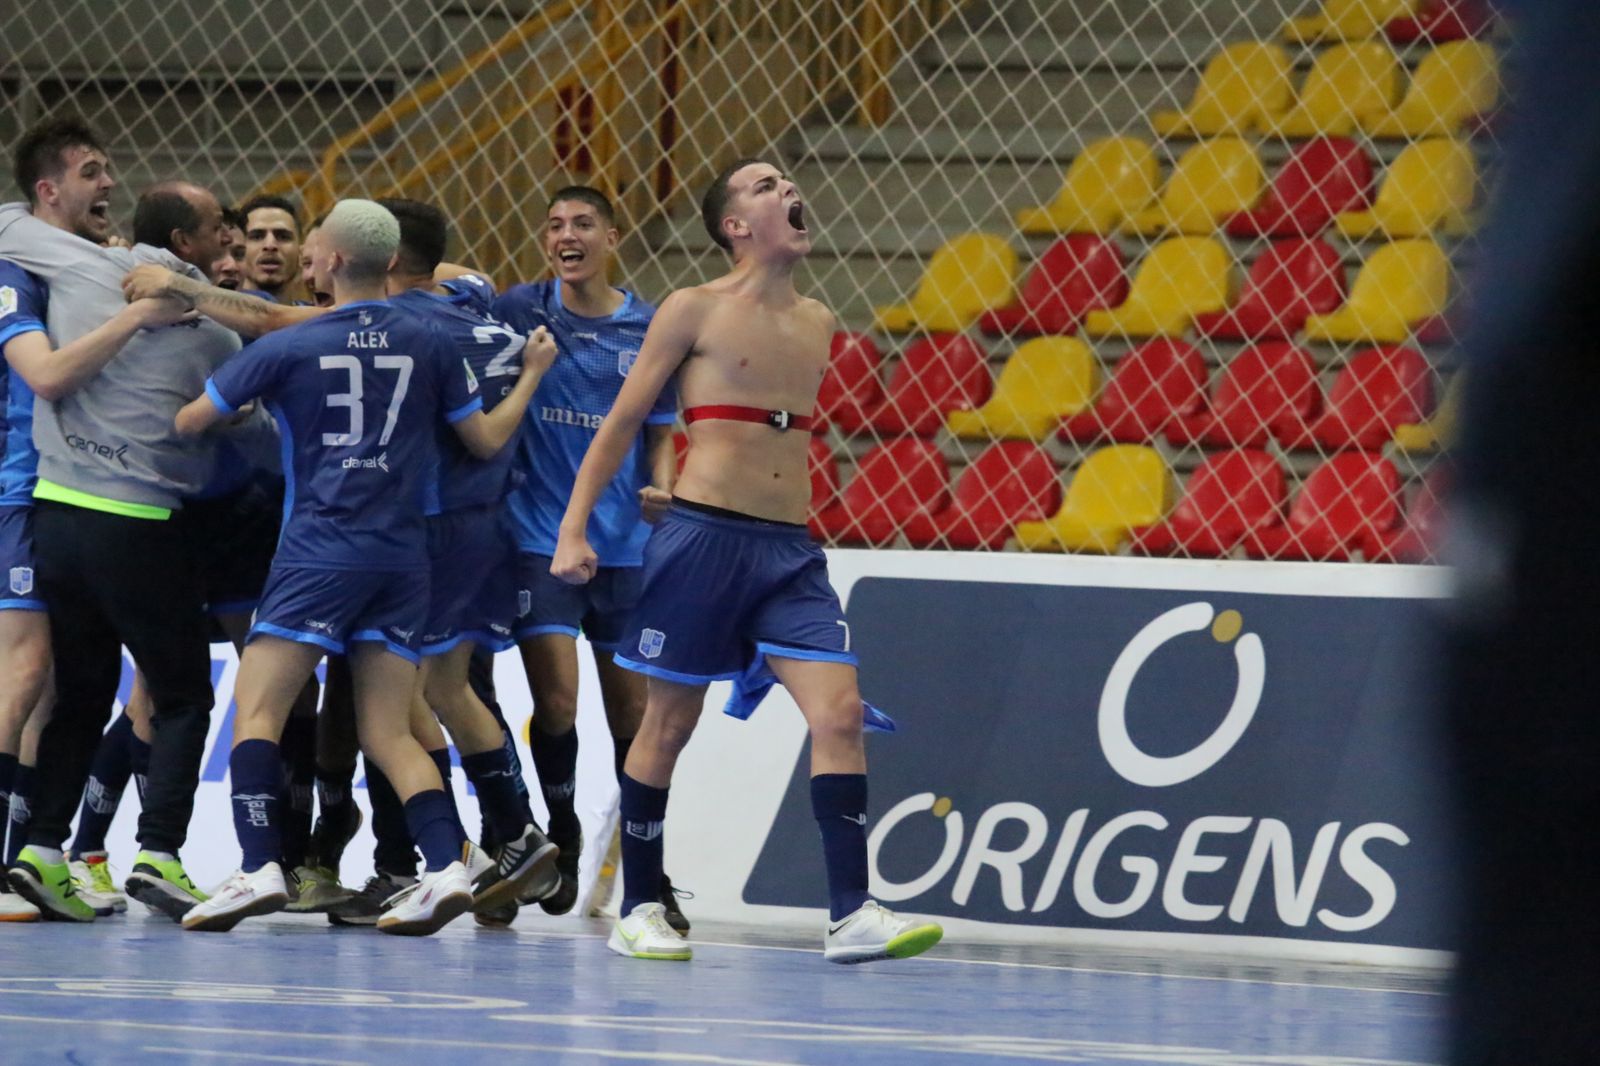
(91, 876)
(48, 886)
(162, 885)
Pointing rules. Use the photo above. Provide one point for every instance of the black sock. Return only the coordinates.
(108, 776)
(839, 802)
(8, 774)
(20, 811)
(555, 760)
(504, 809)
(393, 852)
(299, 746)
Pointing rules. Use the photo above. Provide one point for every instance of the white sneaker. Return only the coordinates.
(645, 934)
(427, 906)
(95, 885)
(241, 896)
(13, 908)
(873, 932)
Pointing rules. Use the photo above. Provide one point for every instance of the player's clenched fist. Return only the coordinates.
(540, 351)
(654, 503)
(574, 561)
(146, 280)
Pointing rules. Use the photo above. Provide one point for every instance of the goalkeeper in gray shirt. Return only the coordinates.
(110, 562)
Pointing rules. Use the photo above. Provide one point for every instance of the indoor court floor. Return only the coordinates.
(136, 989)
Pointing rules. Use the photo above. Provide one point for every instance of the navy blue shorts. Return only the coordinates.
(16, 560)
(331, 608)
(722, 591)
(472, 589)
(600, 609)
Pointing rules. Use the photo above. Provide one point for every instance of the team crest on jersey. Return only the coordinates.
(365, 318)
(22, 580)
(8, 301)
(625, 360)
(650, 642)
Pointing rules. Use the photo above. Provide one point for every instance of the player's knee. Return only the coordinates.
(836, 722)
(555, 711)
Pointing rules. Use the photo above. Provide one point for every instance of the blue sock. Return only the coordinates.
(393, 852)
(504, 811)
(108, 776)
(644, 813)
(8, 774)
(441, 759)
(256, 768)
(20, 812)
(431, 817)
(839, 802)
(555, 760)
(139, 759)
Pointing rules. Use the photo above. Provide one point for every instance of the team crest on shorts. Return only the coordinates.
(22, 580)
(625, 360)
(524, 602)
(650, 642)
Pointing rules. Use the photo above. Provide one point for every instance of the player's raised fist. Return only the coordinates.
(574, 561)
(540, 351)
(654, 503)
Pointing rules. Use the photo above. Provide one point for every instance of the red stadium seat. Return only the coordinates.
(1380, 389)
(1155, 381)
(1269, 389)
(824, 476)
(936, 375)
(1351, 496)
(1442, 20)
(1075, 275)
(1420, 533)
(1290, 280)
(1012, 481)
(1320, 179)
(851, 382)
(1230, 494)
(1434, 330)
(896, 480)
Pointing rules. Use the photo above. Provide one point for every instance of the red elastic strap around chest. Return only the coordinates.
(759, 415)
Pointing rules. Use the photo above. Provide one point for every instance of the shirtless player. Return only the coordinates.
(733, 587)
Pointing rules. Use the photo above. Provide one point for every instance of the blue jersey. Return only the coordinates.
(22, 310)
(493, 355)
(595, 355)
(357, 395)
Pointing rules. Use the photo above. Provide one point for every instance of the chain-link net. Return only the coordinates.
(1167, 276)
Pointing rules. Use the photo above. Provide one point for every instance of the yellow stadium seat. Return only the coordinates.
(1213, 180)
(1180, 278)
(1401, 284)
(1346, 20)
(1243, 87)
(1044, 381)
(1439, 430)
(1108, 180)
(1116, 490)
(971, 274)
(1429, 187)
(1453, 83)
(1348, 84)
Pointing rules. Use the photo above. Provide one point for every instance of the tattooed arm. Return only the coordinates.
(249, 315)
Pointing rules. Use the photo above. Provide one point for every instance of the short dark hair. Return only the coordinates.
(715, 201)
(42, 151)
(160, 211)
(255, 203)
(424, 233)
(233, 218)
(583, 194)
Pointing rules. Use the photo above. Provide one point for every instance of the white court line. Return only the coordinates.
(521, 1047)
(212, 1054)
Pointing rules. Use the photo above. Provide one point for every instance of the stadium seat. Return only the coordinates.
(1453, 84)
(1108, 180)
(1152, 383)
(850, 387)
(1438, 430)
(1044, 381)
(1116, 490)
(935, 375)
(1242, 88)
(1430, 186)
(1075, 275)
(1011, 482)
(1439, 21)
(1402, 284)
(1420, 532)
(1435, 329)
(1228, 495)
(1380, 389)
(1181, 277)
(895, 481)
(1347, 84)
(1212, 181)
(824, 476)
(1345, 20)
(1348, 497)
(969, 275)
(1321, 178)
(1267, 390)
(1291, 280)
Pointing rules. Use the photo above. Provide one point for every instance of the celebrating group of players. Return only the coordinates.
(329, 442)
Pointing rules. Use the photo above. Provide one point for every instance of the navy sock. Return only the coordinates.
(644, 812)
(431, 817)
(299, 787)
(619, 755)
(839, 802)
(8, 774)
(506, 812)
(20, 811)
(393, 853)
(555, 760)
(139, 759)
(108, 776)
(256, 768)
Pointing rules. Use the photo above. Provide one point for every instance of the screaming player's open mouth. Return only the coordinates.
(797, 212)
(101, 209)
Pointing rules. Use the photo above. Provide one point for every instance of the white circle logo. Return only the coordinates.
(1154, 771)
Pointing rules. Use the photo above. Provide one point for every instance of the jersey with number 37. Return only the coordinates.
(358, 395)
